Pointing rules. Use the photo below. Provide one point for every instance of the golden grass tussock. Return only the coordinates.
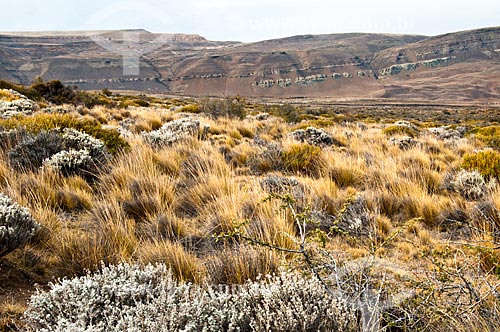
(238, 265)
(184, 265)
(303, 159)
(11, 314)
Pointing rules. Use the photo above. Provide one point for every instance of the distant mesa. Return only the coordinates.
(461, 66)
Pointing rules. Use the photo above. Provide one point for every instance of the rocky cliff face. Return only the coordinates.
(475, 44)
(463, 66)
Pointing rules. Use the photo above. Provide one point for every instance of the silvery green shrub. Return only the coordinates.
(129, 298)
(72, 162)
(21, 105)
(16, 225)
(172, 132)
(54, 148)
(314, 136)
(470, 185)
(76, 140)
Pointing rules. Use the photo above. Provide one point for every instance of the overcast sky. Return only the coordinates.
(251, 20)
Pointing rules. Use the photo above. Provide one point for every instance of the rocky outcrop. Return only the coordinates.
(284, 82)
(311, 79)
(396, 69)
(265, 83)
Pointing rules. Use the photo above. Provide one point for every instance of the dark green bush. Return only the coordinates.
(54, 91)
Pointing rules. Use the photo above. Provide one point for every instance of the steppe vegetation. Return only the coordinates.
(152, 202)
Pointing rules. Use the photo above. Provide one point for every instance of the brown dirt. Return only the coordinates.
(16, 288)
(15, 284)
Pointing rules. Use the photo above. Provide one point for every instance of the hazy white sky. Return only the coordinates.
(251, 20)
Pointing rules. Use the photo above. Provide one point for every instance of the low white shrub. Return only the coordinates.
(16, 225)
(20, 105)
(71, 162)
(129, 298)
(172, 132)
(314, 136)
(470, 185)
(76, 140)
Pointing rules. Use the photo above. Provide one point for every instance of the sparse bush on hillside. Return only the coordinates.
(485, 162)
(227, 107)
(58, 93)
(16, 225)
(470, 185)
(54, 91)
(129, 298)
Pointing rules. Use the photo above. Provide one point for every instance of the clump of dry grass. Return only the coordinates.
(236, 266)
(303, 159)
(185, 266)
(11, 316)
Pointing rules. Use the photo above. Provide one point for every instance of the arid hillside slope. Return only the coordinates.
(462, 66)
